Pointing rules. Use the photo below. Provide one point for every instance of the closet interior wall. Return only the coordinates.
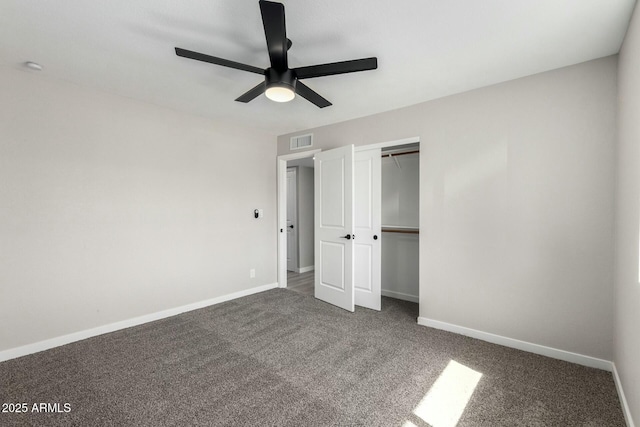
(400, 225)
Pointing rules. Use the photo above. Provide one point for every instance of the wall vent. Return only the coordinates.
(301, 141)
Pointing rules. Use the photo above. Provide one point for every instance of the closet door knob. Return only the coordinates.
(348, 237)
(291, 226)
(375, 237)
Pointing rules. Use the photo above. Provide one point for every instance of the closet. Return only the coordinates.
(400, 222)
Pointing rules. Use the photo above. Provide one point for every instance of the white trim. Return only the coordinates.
(520, 345)
(281, 168)
(300, 155)
(300, 271)
(412, 140)
(623, 400)
(24, 350)
(399, 295)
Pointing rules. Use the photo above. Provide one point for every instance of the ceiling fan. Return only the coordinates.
(281, 83)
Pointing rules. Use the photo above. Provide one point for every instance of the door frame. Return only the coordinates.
(282, 209)
(387, 144)
(282, 197)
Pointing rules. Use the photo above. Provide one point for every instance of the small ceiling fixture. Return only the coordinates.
(33, 65)
(281, 83)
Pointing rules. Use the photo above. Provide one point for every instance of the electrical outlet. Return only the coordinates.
(252, 273)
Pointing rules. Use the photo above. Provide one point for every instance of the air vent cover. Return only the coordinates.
(301, 141)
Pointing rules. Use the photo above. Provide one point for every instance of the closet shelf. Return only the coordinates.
(400, 229)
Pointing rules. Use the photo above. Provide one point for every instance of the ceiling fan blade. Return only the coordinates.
(276, 34)
(218, 61)
(337, 68)
(307, 93)
(252, 94)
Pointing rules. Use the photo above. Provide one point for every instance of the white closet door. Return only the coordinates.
(367, 228)
(334, 227)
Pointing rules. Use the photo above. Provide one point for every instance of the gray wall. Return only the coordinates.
(112, 208)
(516, 214)
(305, 216)
(627, 289)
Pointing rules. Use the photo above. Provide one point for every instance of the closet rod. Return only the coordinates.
(400, 230)
(399, 154)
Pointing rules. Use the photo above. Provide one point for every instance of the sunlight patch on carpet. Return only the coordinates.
(445, 402)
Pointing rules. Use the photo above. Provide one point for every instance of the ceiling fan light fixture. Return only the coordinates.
(280, 93)
(280, 85)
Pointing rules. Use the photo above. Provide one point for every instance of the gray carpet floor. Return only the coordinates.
(283, 358)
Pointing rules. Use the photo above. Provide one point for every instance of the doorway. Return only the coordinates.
(300, 162)
(300, 225)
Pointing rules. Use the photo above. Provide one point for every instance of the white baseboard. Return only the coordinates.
(24, 350)
(520, 345)
(623, 400)
(306, 269)
(399, 295)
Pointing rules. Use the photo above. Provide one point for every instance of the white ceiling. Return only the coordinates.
(426, 49)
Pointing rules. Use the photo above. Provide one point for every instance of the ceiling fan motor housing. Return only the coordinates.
(275, 78)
